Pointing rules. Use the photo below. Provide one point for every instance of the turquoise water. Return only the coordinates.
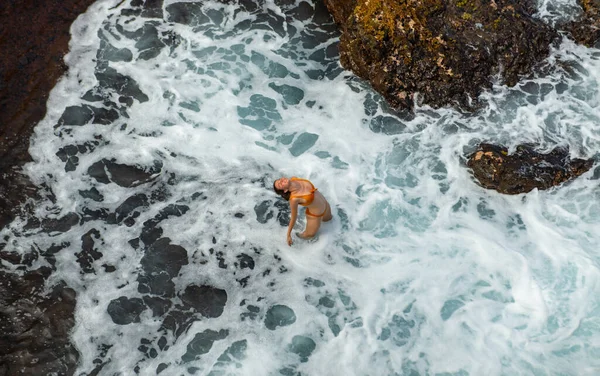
(164, 140)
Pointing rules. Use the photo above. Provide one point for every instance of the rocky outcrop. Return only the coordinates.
(34, 38)
(525, 169)
(35, 328)
(586, 29)
(439, 52)
(35, 324)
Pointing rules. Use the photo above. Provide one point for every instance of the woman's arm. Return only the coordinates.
(294, 208)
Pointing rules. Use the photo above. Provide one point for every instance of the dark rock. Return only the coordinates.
(444, 53)
(586, 29)
(207, 300)
(15, 187)
(33, 41)
(524, 170)
(125, 311)
(122, 174)
(35, 328)
(202, 343)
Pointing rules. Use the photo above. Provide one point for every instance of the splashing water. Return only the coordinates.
(160, 147)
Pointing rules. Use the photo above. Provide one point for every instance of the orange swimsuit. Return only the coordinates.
(309, 197)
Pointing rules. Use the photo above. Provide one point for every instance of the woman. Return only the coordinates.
(302, 192)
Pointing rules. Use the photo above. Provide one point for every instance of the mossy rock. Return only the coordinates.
(525, 169)
(439, 52)
(586, 29)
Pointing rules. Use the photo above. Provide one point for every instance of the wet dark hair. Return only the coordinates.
(285, 195)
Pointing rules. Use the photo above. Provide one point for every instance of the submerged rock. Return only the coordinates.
(124, 311)
(279, 315)
(525, 169)
(207, 300)
(202, 343)
(62, 224)
(439, 52)
(160, 264)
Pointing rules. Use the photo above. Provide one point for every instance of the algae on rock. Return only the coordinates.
(439, 52)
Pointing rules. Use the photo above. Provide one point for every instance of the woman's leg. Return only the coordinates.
(312, 226)
(327, 216)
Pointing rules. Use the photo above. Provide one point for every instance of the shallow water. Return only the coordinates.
(164, 139)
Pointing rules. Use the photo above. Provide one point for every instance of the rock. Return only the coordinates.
(35, 328)
(439, 52)
(586, 29)
(33, 41)
(524, 170)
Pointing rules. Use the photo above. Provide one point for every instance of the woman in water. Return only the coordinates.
(302, 192)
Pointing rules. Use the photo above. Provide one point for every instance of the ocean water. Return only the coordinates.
(160, 147)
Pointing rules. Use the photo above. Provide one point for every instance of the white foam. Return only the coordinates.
(426, 270)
